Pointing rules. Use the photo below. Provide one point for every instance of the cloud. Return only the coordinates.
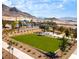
(39, 6)
(4, 0)
(31, 4)
(60, 6)
(7, 2)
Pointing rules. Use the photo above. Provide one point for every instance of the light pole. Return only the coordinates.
(10, 49)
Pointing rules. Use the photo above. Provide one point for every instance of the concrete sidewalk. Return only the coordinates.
(19, 54)
(74, 55)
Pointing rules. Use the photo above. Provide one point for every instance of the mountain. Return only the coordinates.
(13, 11)
(70, 19)
(53, 18)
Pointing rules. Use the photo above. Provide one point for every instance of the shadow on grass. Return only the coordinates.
(50, 54)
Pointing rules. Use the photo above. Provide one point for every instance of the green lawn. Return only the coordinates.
(42, 42)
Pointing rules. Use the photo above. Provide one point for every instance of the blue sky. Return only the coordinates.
(45, 8)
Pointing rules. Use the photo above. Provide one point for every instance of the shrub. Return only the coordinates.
(24, 48)
(33, 53)
(13, 42)
(39, 56)
(66, 50)
(69, 48)
(65, 53)
(7, 40)
(28, 50)
(16, 44)
(20, 46)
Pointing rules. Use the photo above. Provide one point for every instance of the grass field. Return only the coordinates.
(42, 42)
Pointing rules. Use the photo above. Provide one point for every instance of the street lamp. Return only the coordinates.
(12, 51)
(10, 48)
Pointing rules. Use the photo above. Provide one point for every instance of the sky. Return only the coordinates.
(45, 8)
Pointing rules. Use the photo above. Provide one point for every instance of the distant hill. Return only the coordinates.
(71, 19)
(53, 18)
(13, 11)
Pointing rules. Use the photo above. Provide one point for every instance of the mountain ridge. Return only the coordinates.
(14, 12)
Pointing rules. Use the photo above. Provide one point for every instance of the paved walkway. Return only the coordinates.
(19, 54)
(7, 55)
(55, 35)
(74, 55)
(70, 53)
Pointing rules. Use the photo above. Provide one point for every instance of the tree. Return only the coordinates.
(31, 23)
(4, 31)
(13, 24)
(63, 44)
(17, 25)
(61, 29)
(4, 23)
(54, 26)
(51, 55)
(67, 32)
(75, 33)
(45, 27)
(20, 24)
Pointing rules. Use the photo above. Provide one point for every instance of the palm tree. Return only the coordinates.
(67, 32)
(19, 23)
(13, 25)
(5, 32)
(31, 23)
(42, 27)
(63, 44)
(45, 27)
(75, 33)
(4, 23)
(61, 29)
(54, 26)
